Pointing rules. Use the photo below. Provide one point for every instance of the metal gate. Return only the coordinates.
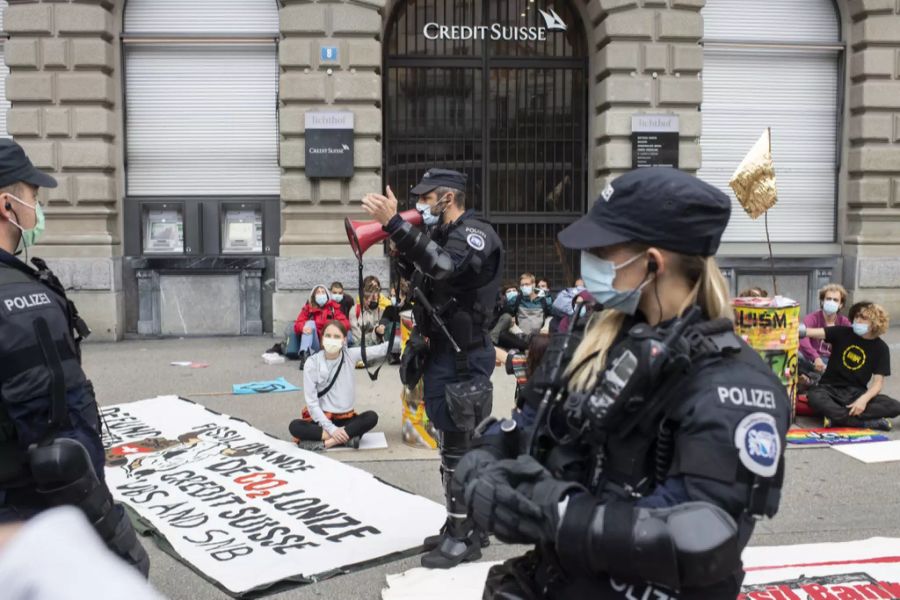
(496, 89)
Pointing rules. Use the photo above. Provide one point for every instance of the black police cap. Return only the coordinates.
(657, 206)
(435, 178)
(15, 167)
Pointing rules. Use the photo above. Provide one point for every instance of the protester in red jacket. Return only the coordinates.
(316, 313)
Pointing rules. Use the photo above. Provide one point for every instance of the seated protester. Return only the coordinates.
(310, 323)
(345, 300)
(375, 317)
(564, 305)
(525, 317)
(522, 365)
(543, 289)
(849, 393)
(754, 292)
(856, 308)
(404, 297)
(330, 392)
(831, 300)
(506, 295)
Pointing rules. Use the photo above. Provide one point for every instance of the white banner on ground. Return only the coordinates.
(248, 510)
(863, 570)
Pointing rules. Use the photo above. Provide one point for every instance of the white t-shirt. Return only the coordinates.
(318, 372)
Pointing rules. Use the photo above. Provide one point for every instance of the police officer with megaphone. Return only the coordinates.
(50, 448)
(455, 267)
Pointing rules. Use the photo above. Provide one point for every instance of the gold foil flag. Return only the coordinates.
(754, 180)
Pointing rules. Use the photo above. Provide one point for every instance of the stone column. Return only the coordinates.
(872, 232)
(63, 90)
(313, 250)
(646, 58)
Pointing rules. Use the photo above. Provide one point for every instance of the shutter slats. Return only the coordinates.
(202, 119)
(795, 92)
(201, 16)
(795, 21)
(4, 75)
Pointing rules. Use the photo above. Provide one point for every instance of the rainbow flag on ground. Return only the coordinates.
(833, 436)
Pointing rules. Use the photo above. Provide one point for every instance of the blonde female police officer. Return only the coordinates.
(669, 442)
(50, 448)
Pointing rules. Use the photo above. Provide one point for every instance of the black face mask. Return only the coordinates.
(373, 305)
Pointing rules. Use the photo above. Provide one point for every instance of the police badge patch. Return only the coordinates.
(475, 241)
(758, 444)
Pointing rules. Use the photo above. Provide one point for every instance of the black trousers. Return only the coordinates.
(832, 402)
(354, 426)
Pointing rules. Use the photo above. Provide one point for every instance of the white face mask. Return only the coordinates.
(332, 346)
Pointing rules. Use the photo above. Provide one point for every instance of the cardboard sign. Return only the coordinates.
(247, 510)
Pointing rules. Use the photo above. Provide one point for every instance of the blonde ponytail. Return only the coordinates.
(710, 290)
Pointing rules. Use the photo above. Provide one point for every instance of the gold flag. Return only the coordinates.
(754, 180)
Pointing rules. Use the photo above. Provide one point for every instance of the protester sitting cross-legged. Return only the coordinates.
(330, 392)
(310, 323)
(849, 393)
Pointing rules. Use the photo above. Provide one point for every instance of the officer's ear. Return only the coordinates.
(6, 208)
(656, 262)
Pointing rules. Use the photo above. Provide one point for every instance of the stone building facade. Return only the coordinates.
(66, 87)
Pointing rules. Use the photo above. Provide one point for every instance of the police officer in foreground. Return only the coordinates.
(662, 443)
(454, 267)
(50, 448)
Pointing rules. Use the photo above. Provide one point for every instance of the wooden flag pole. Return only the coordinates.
(766, 221)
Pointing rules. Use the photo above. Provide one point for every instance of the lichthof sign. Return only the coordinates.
(329, 144)
(654, 141)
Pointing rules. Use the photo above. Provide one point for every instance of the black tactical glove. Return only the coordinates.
(517, 500)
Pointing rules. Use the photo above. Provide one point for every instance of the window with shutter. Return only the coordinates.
(774, 63)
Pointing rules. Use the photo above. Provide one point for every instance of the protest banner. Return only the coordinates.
(831, 436)
(247, 510)
(861, 570)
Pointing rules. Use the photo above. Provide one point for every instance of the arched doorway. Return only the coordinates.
(496, 89)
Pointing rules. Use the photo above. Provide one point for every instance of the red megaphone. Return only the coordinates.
(364, 234)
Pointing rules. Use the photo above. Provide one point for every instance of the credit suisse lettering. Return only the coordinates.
(495, 32)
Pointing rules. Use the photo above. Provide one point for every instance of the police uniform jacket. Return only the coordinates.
(30, 374)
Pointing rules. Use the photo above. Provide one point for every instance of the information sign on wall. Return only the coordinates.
(654, 141)
(329, 144)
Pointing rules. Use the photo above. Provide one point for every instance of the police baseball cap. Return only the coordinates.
(657, 206)
(435, 178)
(15, 167)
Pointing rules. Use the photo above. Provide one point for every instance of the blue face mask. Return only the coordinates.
(511, 296)
(830, 307)
(337, 297)
(860, 329)
(430, 219)
(599, 274)
(526, 290)
(321, 299)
